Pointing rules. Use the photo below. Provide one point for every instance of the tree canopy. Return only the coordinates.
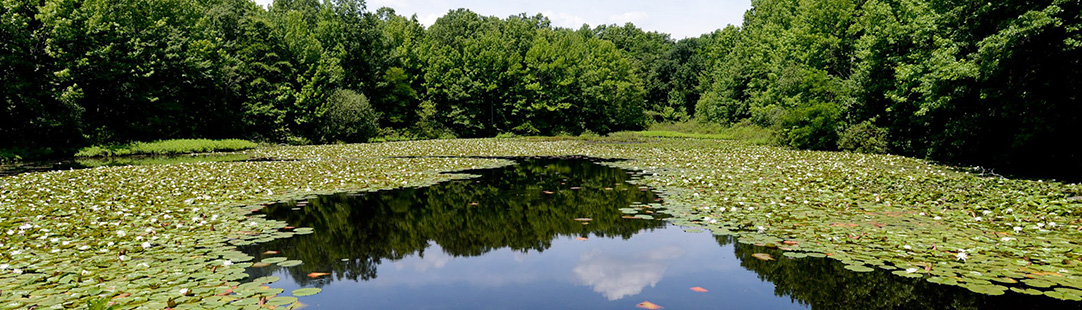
(978, 83)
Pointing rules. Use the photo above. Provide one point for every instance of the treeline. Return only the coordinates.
(983, 83)
(993, 83)
(79, 72)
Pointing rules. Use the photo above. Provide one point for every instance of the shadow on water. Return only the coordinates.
(510, 239)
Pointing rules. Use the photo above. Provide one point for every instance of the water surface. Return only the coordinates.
(559, 234)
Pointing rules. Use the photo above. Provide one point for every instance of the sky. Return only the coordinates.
(680, 18)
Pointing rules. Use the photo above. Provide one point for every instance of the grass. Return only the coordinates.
(167, 147)
(694, 130)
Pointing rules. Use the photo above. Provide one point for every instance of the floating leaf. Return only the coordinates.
(318, 274)
(859, 268)
(649, 305)
(762, 256)
(306, 291)
(699, 289)
(290, 263)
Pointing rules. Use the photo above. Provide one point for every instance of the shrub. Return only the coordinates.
(812, 127)
(864, 138)
(348, 118)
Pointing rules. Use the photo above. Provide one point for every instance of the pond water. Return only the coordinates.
(560, 234)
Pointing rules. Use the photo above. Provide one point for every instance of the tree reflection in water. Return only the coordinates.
(824, 283)
(521, 207)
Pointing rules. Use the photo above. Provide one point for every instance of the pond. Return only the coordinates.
(561, 233)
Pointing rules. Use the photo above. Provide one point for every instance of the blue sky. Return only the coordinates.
(681, 18)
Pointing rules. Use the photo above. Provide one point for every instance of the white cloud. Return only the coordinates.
(562, 19)
(616, 276)
(629, 17)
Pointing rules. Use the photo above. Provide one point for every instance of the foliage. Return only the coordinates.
(863, 138)
(347, 118)
(812, 127)
(165, 147)
(949, 80)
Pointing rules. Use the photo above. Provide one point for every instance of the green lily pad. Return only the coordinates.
(308, 291)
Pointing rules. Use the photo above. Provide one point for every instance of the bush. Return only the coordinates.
(813, 127)
(348, 118)
(864, 138)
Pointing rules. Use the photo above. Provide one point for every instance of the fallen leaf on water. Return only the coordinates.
(762, 256)
(699, 289)
(581, 238)
(790, 242)
(608, 188)
(318, 274)
(649, 305)
(584, 219)
(270, 252)
(473, 204)
(548, 192)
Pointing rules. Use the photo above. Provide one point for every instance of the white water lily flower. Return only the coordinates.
(17, 271)
(761, 229)
(978, 219)
(123, 257)
(4, 266)
(1018, 229)
(227, 263)
(937, 218)
(1040, 225)
(706, 218)
(1009, 210)
(986, 212)
(183, 292)
(1005, 239)
(907, 247)
(910, 270)
(961, 255)
(16, 252)
(1051, 224)
(145, 245)
(713, 221)
(26, 226)
(84, 248)
(121, 233)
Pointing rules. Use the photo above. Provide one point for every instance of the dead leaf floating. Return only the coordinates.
(318, 274)
(584, 219)
(699, 289)
(272, 252)
(648, 305)
(762, 256)
(581, 239)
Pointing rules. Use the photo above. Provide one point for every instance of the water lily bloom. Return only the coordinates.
(1052, 224)
(146, 245)
(1018, 229)
(121, 233)
(4, 266)
(183, 291)
(1005, 239)
(907, 247)
(227, 263)
(978, 219)
(762, 229)
(910, 270)
(961, 255)
(986, 212)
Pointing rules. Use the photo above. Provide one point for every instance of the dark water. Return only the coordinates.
(513, 239)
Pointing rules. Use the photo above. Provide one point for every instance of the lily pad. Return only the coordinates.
(309, 291)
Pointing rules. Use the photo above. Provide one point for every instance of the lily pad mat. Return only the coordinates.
(71, 237)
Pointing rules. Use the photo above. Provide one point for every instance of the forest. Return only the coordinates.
(992, 84)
